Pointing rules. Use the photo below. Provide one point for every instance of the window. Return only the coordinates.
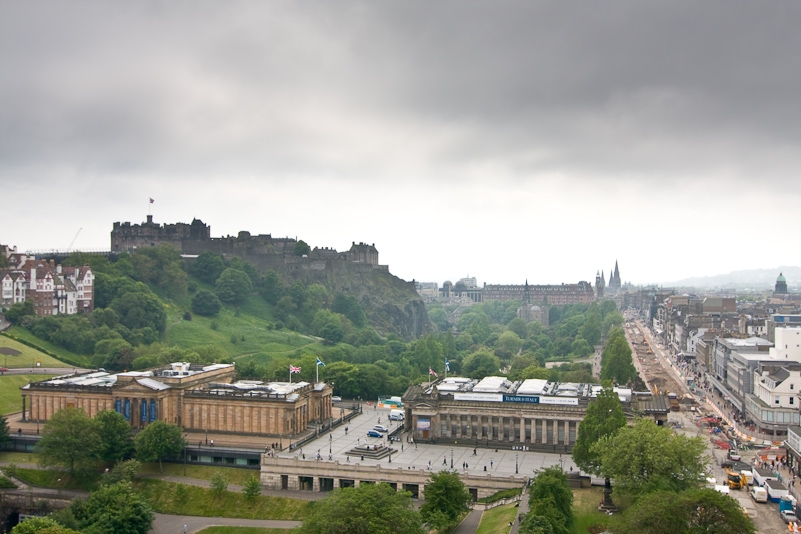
(792, 400)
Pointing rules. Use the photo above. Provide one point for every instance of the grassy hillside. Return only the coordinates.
(10, 395)
(237, 335)
(30, 355)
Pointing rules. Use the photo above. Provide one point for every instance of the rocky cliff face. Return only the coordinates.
(392, 305)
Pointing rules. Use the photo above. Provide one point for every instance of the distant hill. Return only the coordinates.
(756, 279)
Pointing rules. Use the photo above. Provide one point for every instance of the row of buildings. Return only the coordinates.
(467, 292)
(749, 351)
(54, 289)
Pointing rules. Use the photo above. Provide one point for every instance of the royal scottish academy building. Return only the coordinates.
(497, 412)
(193, 396)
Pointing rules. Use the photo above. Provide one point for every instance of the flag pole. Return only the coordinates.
(290, 374)
(317, 370)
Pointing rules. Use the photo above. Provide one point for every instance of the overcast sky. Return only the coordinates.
(502, 140)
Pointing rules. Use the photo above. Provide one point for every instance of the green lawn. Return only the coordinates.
(244, 530)
(496, 520)
(201, 472)
(257, 337)
(19, 457)
(29, 355)
(585, 509)
(182, 499)
(56, 479)
(10, 394)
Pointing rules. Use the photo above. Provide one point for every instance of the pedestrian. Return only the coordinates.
(491, 462)
(347, 458)
(444, 461)
(212, 442)
(184, 529)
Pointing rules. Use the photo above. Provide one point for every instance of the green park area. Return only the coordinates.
(496, 520)
(27, 357)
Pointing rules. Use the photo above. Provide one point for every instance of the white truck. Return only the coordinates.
(396, 415)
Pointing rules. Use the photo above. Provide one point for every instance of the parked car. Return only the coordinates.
(374, 434)
(380, 428)
(788, 515)
(336, 399)
(3, 369)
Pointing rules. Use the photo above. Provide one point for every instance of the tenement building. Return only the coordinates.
(195, 397)
(497, 412)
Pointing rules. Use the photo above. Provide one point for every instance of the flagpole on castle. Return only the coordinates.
(290, 374)
(317, 372)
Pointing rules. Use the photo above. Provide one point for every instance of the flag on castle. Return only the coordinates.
(152, 201)
(320, 362)
(447, 365)
(431, 372)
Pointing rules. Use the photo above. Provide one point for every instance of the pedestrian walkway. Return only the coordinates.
(470, 523)
(177, 524)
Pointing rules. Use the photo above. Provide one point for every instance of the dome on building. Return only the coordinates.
(781, 278)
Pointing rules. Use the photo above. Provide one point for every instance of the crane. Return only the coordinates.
(69, 249)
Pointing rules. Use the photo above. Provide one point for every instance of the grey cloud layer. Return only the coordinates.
(589, 90)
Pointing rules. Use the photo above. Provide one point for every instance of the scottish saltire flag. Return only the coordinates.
(431, 372)
(293, 369)
(319, 362)
(447, 366)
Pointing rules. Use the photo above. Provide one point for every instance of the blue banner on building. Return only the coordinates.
(152, 411)
(119, 405)
(127, 413)
(144, 411)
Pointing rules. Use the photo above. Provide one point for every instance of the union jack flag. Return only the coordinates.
(293, 369)
(431, 372)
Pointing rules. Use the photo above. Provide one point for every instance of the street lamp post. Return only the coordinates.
(185, 454)
(451, 457)
(515, 463)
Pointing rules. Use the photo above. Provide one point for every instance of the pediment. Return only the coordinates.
(133, 387)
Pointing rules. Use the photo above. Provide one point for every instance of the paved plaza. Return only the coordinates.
(423, 456)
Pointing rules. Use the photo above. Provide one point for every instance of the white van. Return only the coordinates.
(396, 415)
(759, 494)
(748, 476)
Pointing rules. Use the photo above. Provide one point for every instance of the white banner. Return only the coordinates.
(480, 397)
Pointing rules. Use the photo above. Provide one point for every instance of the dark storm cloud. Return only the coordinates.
(588, 90)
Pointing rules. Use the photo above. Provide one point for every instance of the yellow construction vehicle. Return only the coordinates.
(734, 479)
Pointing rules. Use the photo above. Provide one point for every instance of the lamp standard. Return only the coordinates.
(185, 454)
(515, 463)
(451, 457)
(330, 439)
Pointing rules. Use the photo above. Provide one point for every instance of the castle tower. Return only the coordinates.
(781, 285)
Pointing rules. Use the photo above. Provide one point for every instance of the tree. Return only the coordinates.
(19, 310)
(69, 440)
(116, 438)
(509, 341)
(480, 364)
(696, 511)
(233, 286)
(138, 307)
(301, 248)
(550, 496)
(645, 457)
(368, 509)
(616, 364)
(252, 487)
(603, 419)
(446, 499)
(206, 303)
(219, 483)
(272, 288)
(208, 266)
(4, 431)
(116, 508)
(159, 440)
(41, 525)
